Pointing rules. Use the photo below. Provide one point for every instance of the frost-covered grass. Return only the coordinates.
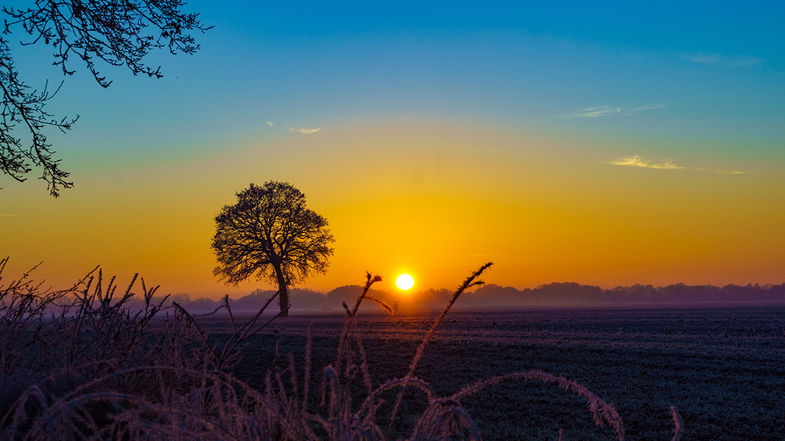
(91, 362)
(719, 366)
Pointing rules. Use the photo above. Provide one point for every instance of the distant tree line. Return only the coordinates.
(495, 296)
(575, 294)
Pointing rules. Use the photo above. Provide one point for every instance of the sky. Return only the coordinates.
(608, 143)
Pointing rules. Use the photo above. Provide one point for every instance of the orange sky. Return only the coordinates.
(431, 198)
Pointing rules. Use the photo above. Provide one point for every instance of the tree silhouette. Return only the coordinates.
(270, 234)
(94, 32)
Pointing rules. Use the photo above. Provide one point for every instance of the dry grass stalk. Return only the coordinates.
(469, 282)
(142, 378)
(678, 424)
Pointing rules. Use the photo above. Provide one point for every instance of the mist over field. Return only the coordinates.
(495, 297)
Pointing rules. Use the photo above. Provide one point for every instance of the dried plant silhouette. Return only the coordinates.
(470, 282)
(92, 362)
(269, 233)
(94, 33)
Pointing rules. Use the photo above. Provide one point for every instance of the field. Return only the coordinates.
(723, 368)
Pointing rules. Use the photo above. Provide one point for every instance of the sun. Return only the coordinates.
(404, 282)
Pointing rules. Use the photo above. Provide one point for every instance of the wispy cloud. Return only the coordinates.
(596, 112)
(731, 172)
(269, 123)
(305, 131)
(9, 215)
(606, 111)
(726, 60)
(638, 161)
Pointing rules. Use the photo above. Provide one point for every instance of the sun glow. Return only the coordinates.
(404, 282)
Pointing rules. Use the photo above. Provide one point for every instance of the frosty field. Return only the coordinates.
(723, 368)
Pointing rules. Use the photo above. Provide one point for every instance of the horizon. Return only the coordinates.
(487, 298)
(13, 271)
(408, 293)
(414, 293)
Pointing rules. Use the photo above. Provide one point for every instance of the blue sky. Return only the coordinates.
(668, 75)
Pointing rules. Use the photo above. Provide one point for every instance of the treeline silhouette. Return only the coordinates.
(562, 294)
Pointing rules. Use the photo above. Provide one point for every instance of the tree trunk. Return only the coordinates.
(283, 293)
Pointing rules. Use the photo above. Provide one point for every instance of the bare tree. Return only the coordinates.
(270, 234)
(94, 32)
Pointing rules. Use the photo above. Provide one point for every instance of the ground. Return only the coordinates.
(723, 367)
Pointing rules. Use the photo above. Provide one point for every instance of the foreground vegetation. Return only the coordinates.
(81, 363)
(718, 365)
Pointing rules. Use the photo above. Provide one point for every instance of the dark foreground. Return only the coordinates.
(723, 368)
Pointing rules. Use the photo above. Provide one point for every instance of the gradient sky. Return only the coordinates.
(593, 142)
